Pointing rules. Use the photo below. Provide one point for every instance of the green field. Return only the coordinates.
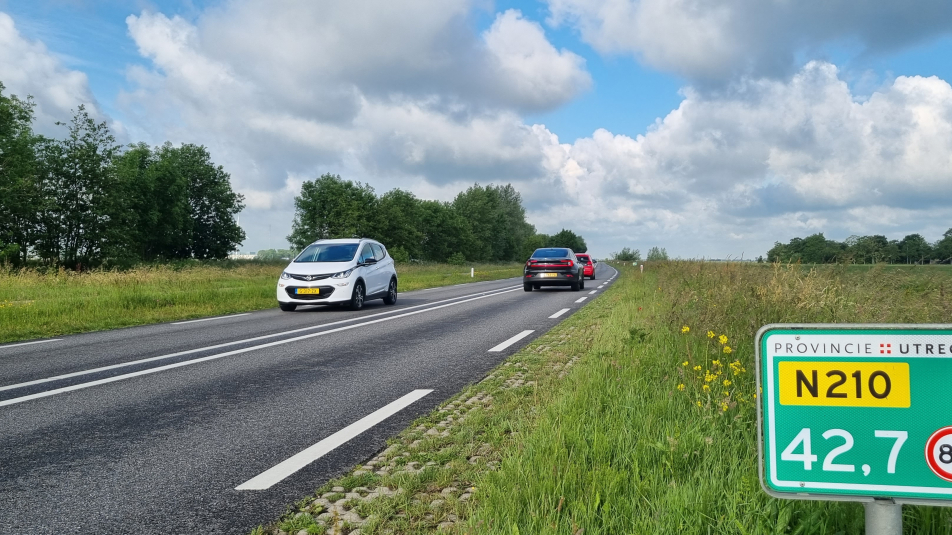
(35, 304)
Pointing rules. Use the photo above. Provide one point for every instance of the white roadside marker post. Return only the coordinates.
(472, 273)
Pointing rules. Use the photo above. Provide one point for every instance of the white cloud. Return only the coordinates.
(28, 68)
(388, 93)
(713, 40)
(769, 160)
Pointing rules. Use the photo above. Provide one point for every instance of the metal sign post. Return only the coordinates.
(856, 413)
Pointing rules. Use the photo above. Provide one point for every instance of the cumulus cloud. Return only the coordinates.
(400, 91)
(713, 40)
(771, 159)
(28, 68)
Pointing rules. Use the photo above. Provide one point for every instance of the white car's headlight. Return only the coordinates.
(284, 275)
(343, 274)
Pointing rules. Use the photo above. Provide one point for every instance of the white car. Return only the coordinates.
(349, 271)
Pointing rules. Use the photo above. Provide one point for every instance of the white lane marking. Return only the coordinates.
(13, 401)
(226, 344)
(31, 343)
(211, 319)
(559, 313)
(602, 286)
(511, 341)
(591, 292)
(580, 299)
(282, 470)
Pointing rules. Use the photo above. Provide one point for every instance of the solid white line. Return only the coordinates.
(580, 299)
(13, 401)
(591, 292)
(211, 319)
(559, 313)
(280, 471)
(511, 341)
(226, 344)
(31, 343)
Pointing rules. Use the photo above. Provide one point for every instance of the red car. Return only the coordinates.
(588, 267)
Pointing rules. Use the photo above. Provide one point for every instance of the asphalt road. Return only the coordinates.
(151, 429)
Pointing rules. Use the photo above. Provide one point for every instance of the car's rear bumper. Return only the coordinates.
(550, 278)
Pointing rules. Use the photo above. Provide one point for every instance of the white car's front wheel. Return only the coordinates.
(357, 299)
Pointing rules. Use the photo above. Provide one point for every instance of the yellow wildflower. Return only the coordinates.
(724, 407)
(697, 368)
(727, 382)
(698, 403)
(708, 377)
(722, 339)
(727, 349)
(681, 387)
(716, 363)
(705, 388)
(685, 329)
(685, 363)
(710, 334)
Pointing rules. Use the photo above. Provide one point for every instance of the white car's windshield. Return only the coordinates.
(328, 252)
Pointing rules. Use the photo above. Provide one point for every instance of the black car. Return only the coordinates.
(553, 266)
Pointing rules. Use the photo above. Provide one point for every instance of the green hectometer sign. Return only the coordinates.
(856, 411)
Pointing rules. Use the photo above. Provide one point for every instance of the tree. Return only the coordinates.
(444, 231)
(943, 248)
(397, 223)
(656, 253)
(914, 249)
(496, 220)
(330, 207)
(567, 238)
(212, 204)
(19, 191)
(627, 255)
(78, 224)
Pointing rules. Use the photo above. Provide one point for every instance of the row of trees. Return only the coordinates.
(482, 224)
(816, 249)
(628, 254)
(84, 200)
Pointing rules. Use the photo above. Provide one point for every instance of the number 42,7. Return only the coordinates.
(807, 458)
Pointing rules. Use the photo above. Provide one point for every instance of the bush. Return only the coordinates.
(457, 259)
(400, 255)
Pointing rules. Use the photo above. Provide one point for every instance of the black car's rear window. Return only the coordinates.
(551, 253)
(582, 259)
(328, 252)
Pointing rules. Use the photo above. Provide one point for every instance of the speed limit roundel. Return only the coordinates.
(939, 453)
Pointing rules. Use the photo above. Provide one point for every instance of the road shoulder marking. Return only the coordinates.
(580, 299)
(31, 343)
(591, 292)
(289, 466)
(509, 342)
(211, 319)
(559, 313)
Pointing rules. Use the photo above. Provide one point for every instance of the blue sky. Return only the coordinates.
(767, 145)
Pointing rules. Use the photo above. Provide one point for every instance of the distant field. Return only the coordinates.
(39, 305)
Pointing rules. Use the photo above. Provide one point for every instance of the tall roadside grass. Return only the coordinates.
(35, 304)
(654, 430)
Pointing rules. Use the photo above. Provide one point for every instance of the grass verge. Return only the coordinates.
(35, 304)
(635, 415)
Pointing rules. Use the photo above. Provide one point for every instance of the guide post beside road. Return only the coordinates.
(856, 413)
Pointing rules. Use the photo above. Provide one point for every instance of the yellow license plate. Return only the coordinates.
(547, 275)
(308, 291)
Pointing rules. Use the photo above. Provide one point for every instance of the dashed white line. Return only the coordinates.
(282, 470)
(602, 286)
(31, 343)
(511, 341)
(591, 292)
(211, 319)
(559, 313)
(580, 299)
